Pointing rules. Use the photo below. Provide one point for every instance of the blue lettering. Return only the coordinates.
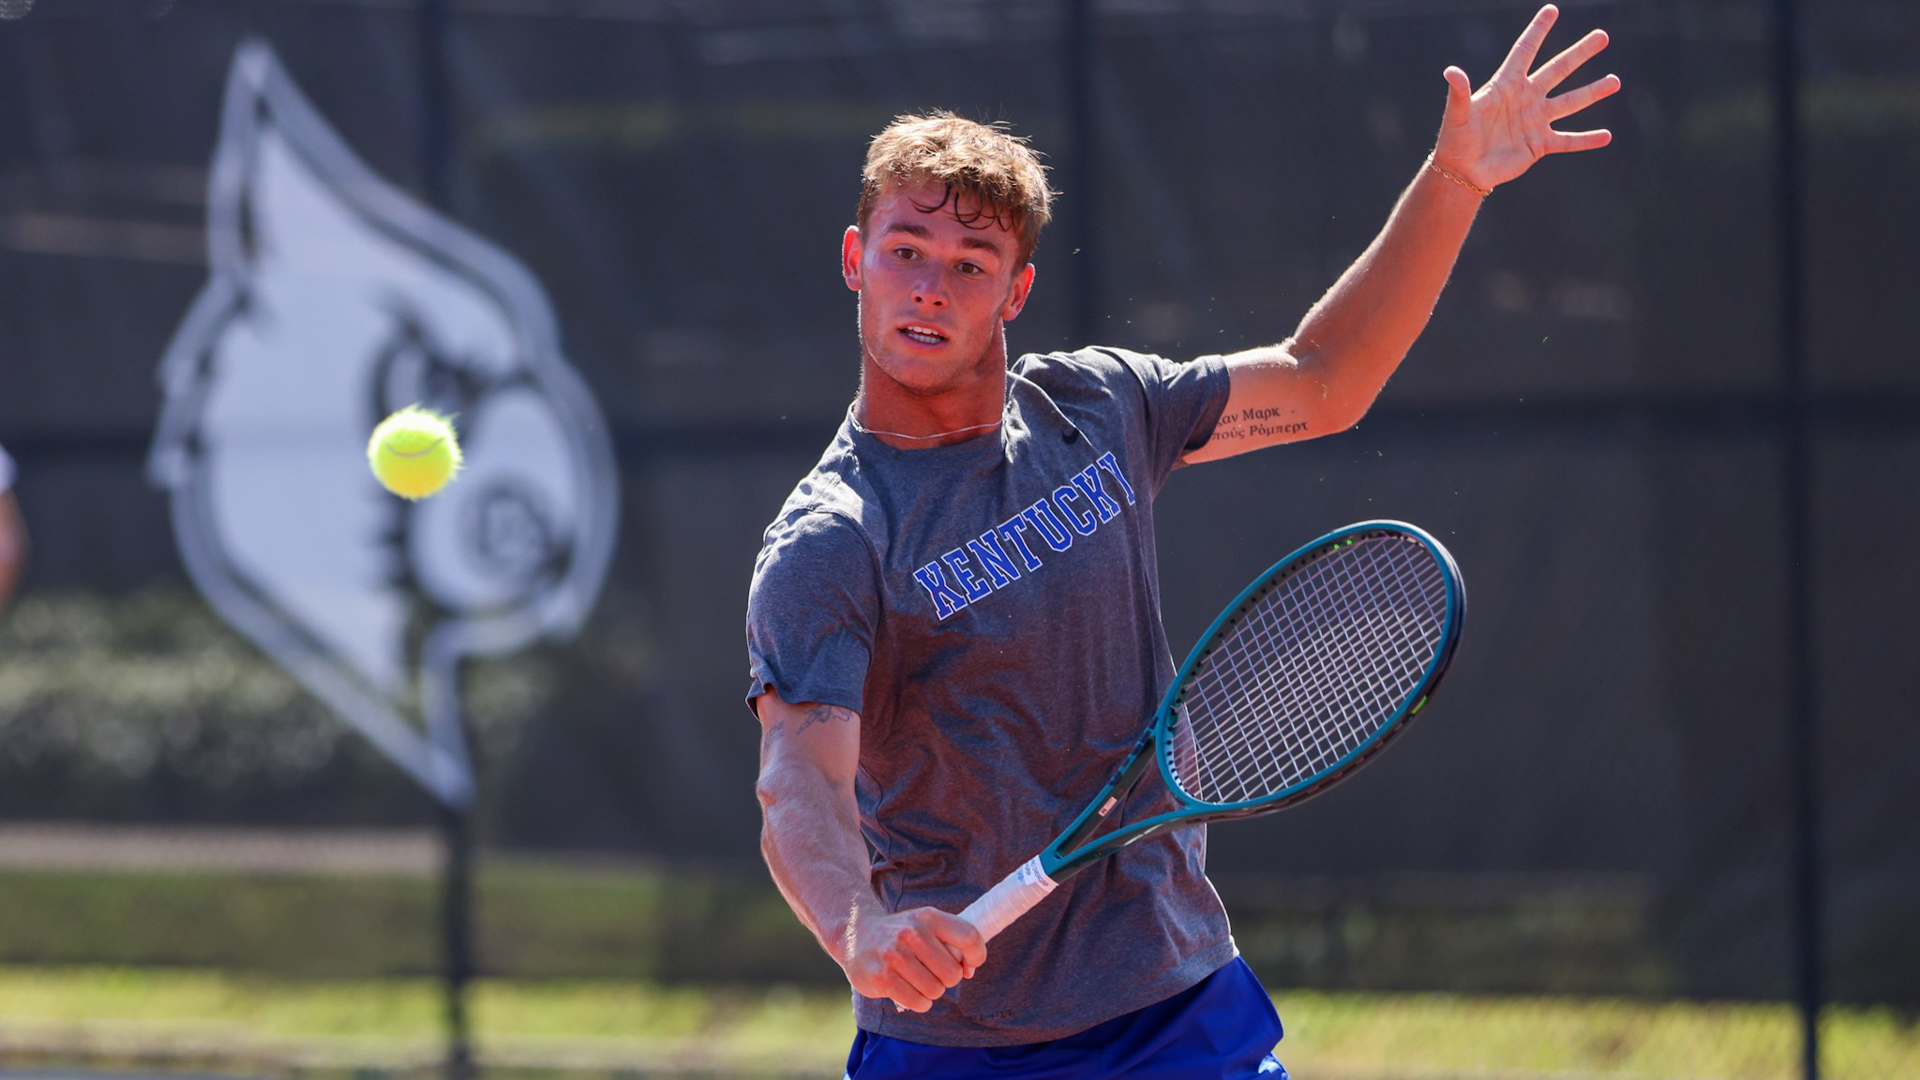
(1108, 463)
(1061, 495)
(1001, 556)
(1040, 516)
(945, 600)
(956, 561)
(1088, 481)
(1010, 532)
(999, 567)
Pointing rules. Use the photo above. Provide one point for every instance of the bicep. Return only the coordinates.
(1273, 397)
(807, 741)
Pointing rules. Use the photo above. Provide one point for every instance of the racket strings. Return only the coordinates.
(1311, 671)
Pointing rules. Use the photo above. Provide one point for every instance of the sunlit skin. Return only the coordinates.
(1325, 376)
(1496, 133)
(937, 286)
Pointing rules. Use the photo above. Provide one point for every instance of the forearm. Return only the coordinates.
(811, 840)
(1354, 338)
(1325, 377)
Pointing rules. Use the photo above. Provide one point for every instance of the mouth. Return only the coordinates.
(921, 334)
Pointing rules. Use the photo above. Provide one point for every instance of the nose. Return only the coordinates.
(930, 291)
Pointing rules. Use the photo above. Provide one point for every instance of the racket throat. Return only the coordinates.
(1098, 815)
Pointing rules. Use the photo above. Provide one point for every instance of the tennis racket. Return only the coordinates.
(1310, 672)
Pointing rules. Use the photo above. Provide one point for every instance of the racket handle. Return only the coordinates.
(1013, 897)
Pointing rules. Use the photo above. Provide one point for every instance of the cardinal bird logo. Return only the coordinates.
(335, 299)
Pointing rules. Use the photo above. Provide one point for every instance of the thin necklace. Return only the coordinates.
(858, 426)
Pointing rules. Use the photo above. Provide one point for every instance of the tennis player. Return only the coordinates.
(13, 533)
(954, 624)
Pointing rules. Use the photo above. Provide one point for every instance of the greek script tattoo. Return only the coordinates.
(1258, 423)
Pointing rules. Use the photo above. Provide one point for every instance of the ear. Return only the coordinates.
(1017, 298)
(851, 249)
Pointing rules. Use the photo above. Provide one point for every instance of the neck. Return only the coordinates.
(911, 417)
(911, 422)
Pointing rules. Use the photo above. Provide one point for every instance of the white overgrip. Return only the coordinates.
(1013, 897)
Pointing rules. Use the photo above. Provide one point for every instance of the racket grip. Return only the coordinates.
(1013, 897)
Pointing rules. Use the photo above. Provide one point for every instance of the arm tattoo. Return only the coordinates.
(1256, 423)
(820, 714)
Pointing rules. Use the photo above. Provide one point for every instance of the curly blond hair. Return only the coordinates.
(985, 162)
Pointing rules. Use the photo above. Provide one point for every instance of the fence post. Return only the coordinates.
(1803, 742)
(1084, 178)
(456, 887)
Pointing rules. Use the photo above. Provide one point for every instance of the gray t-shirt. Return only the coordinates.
(991, 609)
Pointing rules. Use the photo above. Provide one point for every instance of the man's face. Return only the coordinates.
(935, 286)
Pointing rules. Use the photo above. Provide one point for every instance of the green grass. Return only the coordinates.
(533, 920)
(144, 1018)
(556, 919)
(629, 971)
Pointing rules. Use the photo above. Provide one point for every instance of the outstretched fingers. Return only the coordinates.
(1495, 134)
(1520, 58)
(1559, 108)
(1563, 142)
(1555, 71)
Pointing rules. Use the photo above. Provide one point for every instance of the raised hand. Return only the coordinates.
(1491, 135)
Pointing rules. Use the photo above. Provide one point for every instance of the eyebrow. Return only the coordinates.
(925, 233)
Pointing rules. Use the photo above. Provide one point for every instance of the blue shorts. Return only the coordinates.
(1222, 1028)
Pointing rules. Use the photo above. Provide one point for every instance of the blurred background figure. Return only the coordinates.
(13, 533)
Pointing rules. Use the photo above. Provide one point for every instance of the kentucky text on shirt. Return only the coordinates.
(974, 570)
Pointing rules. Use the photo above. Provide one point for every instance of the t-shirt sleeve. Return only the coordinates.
(1183, 403)
(812, 611)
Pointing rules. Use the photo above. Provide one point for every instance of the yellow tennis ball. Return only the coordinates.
(414, 453)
